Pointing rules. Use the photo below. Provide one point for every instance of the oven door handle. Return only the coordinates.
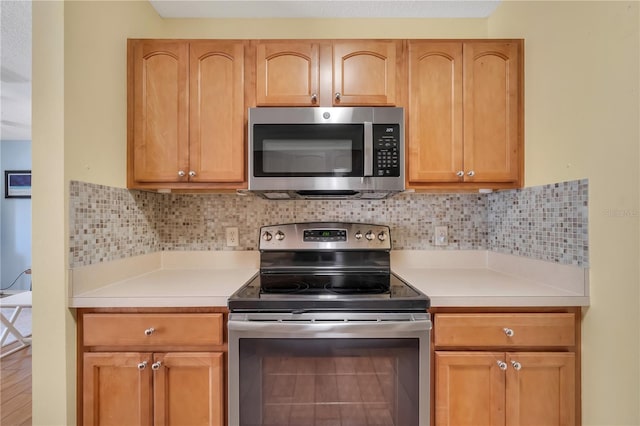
(330, 328)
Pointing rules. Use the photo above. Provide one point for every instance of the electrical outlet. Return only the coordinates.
(441, 237)
(232, 236)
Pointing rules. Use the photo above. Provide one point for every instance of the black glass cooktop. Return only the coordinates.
(319, 292)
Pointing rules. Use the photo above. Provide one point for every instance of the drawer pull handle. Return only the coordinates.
(142, 365)
(149, 331)
(502, 365)
(156, 365)
(516, 365)
(508, 332)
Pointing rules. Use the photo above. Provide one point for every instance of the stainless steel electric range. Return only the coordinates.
(327, 333)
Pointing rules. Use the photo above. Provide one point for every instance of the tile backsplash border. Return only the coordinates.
(547, 222)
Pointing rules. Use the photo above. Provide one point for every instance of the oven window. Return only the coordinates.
(323, 150)
(356, 382)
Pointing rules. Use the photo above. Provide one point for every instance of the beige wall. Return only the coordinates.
(582, 71)
(577, 126)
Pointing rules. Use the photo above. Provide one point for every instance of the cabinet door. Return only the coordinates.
(287, 73)
(364, 73)
(470, 388)
(216, 112)
(116, 389)
(188, 389)
(160, 110)
(435, 115)
(491, 111)
(540, 389)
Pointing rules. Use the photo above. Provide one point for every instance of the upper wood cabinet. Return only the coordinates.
(465, 116)
(186, 114)
(287, 73)
(326, 73)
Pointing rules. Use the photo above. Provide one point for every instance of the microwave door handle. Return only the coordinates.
(368, 148)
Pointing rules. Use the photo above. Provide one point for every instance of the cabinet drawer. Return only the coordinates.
(504, 330)
(153, 329)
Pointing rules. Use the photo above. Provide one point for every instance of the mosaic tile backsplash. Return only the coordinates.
(547, 222)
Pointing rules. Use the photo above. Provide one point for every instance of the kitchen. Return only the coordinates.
(574, 129)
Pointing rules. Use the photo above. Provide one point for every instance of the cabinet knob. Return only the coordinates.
(181, 173)
(192, 173)
(471, 173)
(502, 365)
(149, 331)
(509, 332)
(460, 173)
(142, 365)
(314, 98)
(516, 365)
(156, 365)
(338, 96)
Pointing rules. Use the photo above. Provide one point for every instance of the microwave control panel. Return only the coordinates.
(386, 150)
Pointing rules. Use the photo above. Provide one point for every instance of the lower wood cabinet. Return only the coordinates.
(174, 388)
(510, 369)
(498, 388)
(160, 368)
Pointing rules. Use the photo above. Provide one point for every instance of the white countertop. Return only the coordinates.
(462, 278)
(488, 279)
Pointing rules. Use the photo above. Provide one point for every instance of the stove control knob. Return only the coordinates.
(358, 235)
(382, 236)
(369, 236)
(266, 236)
(279, 236)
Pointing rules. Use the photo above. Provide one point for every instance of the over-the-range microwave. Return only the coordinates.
(340, 152)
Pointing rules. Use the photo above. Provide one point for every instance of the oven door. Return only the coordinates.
(329, 368)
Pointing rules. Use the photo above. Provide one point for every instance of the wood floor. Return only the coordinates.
(15, 389)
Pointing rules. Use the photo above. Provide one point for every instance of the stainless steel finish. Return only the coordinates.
(460, 173)
(338, 96)
(181, 173)
(149, 331)
(156, 365)
(508, 332)
(471, 173)
(293, 236)
(314, 98)
(516, 365)
(365, 187)
(333, 326)
(260, 317)
(142, 365)
(368, 148)
(502, 365)
(192, 173)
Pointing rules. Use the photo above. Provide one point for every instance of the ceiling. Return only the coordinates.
(325, 8)
(15, 70)
(15, 34)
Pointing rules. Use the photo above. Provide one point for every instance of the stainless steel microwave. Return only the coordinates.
(334, 153)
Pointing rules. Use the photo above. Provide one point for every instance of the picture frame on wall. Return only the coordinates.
(17, 184)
